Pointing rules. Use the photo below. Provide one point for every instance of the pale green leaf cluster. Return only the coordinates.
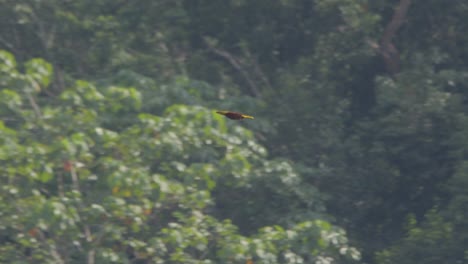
(88, 175)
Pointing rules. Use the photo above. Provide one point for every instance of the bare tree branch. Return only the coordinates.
(237, 65)
(60, 185)
(396, 22)
(86, 230)
(52, 249)
(45, 34)
(89, 238)
(259, 71)
(34, 105)
(75, 180)
(8, 44)
(387, 49)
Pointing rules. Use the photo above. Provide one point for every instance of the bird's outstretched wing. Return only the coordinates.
(247, 116)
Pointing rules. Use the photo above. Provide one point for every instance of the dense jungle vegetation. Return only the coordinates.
(111, 150)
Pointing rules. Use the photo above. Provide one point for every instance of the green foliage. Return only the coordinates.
(336, 130)
(432, 242)
(437, 237)
(90, 177)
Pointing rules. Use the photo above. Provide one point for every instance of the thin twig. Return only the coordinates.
(59, 82)
(53, 251)
(60, 185)
(8, 45)
(259, 71)
(91, 255)
(75, 180)
(34, 105)
(86, 229)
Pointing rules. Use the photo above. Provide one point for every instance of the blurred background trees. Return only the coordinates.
(110, 151)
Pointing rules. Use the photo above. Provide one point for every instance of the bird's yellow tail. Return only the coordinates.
(247, 116)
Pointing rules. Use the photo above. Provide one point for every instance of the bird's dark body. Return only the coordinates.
(234, 115)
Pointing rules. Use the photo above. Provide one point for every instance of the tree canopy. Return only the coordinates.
(111, 151)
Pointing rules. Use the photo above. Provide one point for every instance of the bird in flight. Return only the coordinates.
(234, 115)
